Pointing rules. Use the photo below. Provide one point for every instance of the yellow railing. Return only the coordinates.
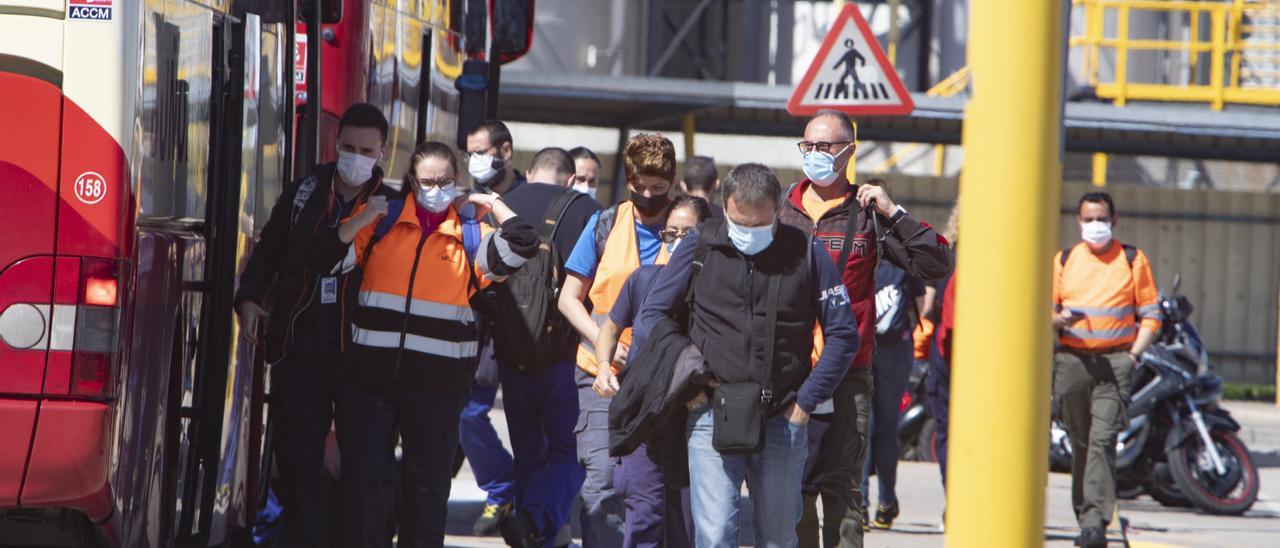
(1225, 47)
(949, 86)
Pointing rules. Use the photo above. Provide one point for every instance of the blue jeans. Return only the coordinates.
(892, 370)
(542, 409)
(490, 461)
(773, 479)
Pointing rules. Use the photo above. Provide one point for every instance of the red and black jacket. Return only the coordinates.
(910, 244)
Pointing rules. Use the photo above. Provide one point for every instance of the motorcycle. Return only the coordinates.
(1180, 446)
(916, 428)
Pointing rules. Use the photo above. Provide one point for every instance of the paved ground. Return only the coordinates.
(1150, 524)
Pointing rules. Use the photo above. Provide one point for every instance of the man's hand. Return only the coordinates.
(797, 416)
(249, 313)
(701, 400)
(1066, 318)
(884, 204)
(374, 209)
(482, 201)
(606, 385)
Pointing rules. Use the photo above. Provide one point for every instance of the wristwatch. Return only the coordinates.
(898, 215)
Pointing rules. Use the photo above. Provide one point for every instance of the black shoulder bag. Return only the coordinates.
(742, 408)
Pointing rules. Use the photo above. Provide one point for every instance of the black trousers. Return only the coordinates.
(303, 390)
(369, 419)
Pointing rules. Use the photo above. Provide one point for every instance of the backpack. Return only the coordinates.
(1130, 253)
(529, 334)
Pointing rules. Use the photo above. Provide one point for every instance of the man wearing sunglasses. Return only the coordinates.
(856, 224)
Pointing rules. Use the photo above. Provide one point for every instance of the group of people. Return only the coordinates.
(652, 356)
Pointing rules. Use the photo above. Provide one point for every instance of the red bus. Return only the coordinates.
(142, 144)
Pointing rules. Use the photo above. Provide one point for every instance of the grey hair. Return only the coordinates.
(842, 119)
(753, 185)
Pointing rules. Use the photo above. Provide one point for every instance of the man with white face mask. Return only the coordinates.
(488, 157)
(1107, 313)
(305, 327)
(857, 225)
(753, 289)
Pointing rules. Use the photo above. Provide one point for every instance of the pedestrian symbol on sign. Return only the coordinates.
(850, 73)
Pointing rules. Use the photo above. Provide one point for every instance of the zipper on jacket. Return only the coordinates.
(408, 302)
(751, 314)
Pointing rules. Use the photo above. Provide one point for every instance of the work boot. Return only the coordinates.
(1092, 537)
(519, 531)
(885, 515)
(487, 524)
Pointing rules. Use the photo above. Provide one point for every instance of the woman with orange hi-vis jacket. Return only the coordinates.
(408, 365)
(1106, 310)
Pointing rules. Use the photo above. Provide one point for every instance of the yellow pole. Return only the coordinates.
(1122, 56)
(893, 32)
(688, 126)
(1099, 169)
(1013, 167)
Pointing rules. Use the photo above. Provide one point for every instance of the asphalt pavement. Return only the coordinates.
(921, 499)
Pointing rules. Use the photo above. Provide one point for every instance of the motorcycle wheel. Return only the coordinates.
(927, 442)
(1128, 490)
(1230, 494)
(1164, 489)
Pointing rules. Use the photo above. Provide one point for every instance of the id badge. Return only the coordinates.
(328, 290)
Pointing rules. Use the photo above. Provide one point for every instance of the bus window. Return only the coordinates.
(164, 191)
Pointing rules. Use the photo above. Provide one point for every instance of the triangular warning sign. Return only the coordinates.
(850, 74)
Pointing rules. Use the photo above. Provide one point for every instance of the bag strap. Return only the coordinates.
(552, 218)
(771, 329)
(848, 242)
(699, 259)
(394, 207)
(471, 247)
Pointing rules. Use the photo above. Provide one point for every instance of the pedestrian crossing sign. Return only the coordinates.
(850, 74)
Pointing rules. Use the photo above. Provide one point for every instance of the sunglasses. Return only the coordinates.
(426, 182)
(671, 234)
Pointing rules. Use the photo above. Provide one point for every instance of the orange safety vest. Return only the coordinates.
(621, 257)
(1112, 294)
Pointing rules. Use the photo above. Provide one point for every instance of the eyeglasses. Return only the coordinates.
(820, 146)
(671, 234)
(426, 182)
(492, 151)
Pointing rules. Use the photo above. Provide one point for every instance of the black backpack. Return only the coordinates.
(529, 333)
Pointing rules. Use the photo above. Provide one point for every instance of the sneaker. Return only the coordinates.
(1092, 537)
(487, 524)
(519, 532)
(885, 516)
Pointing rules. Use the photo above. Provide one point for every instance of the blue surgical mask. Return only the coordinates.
(750, 240)
(820, 167)
(671, 247)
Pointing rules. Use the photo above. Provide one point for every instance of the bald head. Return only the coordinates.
(830, 126)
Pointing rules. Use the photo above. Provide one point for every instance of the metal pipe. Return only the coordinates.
(1012, 139)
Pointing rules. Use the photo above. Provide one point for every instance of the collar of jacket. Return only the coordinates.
(451, 226)
(796, 199)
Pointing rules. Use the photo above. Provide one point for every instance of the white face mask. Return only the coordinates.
(750, 240)
(481, 168)
(437, 198)
(1096, 233)
(585, 189)
(355, 169)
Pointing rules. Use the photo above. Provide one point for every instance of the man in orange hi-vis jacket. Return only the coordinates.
(1107, 312)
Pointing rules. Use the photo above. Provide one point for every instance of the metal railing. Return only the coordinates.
(1229, 22)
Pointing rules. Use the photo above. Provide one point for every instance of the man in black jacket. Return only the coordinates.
(304, 333)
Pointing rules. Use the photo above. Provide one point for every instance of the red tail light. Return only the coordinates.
(100, 291)
(906, 402)
(97, 339)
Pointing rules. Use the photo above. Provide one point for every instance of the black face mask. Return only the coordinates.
(651, 206)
